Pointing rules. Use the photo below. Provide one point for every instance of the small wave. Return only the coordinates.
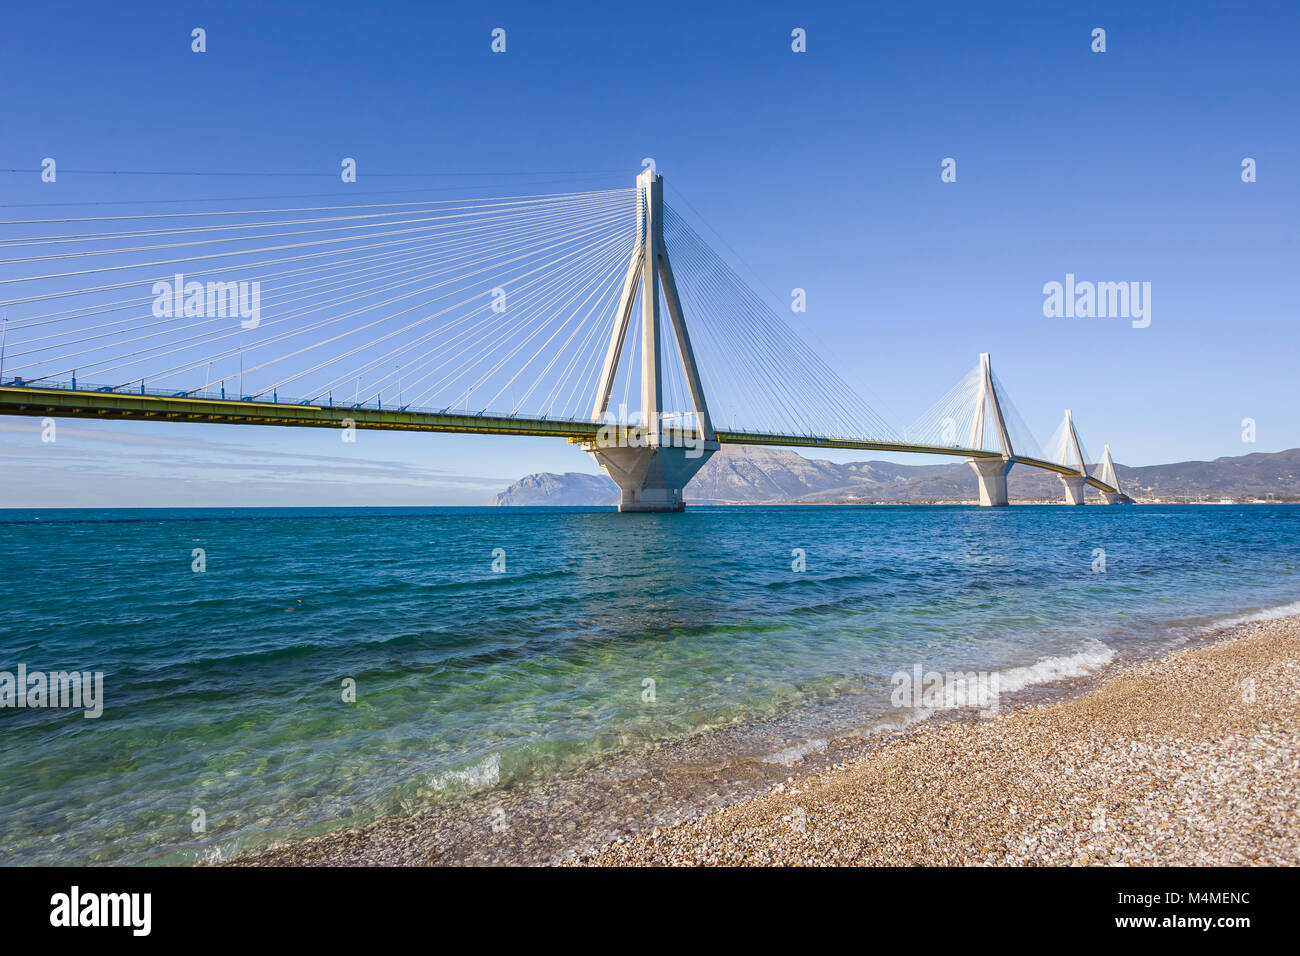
(1095, 654)
(1265, 614)
(485, 774)
(792, 755)
(961, 689)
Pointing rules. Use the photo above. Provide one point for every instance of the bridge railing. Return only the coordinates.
(216, 395)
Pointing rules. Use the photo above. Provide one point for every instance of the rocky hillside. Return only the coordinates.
(570, 488)
(752, 474)
(1247, 477)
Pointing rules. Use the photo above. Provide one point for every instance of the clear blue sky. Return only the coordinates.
(821, 170)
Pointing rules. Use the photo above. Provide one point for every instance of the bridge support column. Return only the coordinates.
(991, 472)
(650, 462)
(651, 479)
(1109, 476)
(992, 475)
(1074, 487)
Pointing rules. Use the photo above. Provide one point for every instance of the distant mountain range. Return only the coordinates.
(752, 474)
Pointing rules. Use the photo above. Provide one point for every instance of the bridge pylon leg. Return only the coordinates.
(1074, 487)
(992, 475)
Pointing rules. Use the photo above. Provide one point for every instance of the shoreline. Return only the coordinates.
(1190, 758)
(600, 814)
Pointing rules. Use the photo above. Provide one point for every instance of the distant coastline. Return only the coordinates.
(741, 475)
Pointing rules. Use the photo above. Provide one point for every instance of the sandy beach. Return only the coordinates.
(1191, 759)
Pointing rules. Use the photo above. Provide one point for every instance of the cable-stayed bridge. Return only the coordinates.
(600, 317)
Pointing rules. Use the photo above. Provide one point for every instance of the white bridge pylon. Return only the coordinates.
(1106, 474)
(650, 466)
(990, 472)
(1070, 453)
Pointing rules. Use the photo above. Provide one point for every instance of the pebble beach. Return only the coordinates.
(1190, 759)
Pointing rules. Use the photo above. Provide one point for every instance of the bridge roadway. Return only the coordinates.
(99, 403)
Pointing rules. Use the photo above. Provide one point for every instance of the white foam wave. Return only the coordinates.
(485, 774)
(1084, 661)
(1265, 614)
(792, 755)
(984, 690)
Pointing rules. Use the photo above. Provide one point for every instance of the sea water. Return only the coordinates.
(268, 672)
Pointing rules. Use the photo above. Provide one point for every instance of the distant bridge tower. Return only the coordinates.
(991, 472)
(1070, 446)
(648, 462)
(1107, 474)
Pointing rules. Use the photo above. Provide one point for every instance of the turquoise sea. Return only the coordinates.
(495, 648)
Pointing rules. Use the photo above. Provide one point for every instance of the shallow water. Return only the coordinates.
(223, 688)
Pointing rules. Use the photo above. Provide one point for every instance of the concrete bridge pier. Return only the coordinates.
(653, 478)
(1074, 488)
(1114, 498)
(992, 475)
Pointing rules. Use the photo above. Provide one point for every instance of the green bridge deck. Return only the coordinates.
(104, 404)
